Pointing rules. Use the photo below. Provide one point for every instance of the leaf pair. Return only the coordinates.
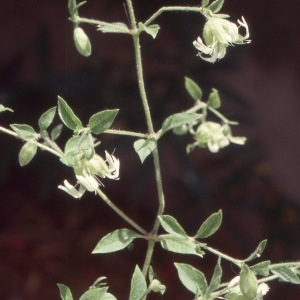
(98, 122)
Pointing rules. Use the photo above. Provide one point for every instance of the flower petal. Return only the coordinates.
(88, 181)
(71, 190)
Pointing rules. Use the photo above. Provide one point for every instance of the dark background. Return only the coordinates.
(47, 236)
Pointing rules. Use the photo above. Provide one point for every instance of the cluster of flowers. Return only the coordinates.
(88, 171)
(218, 34)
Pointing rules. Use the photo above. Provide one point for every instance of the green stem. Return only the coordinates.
(42, 146)
(172, 8)
(138, 59)
(52, 144)
(120, 213)
(124, 132)
(220, 254)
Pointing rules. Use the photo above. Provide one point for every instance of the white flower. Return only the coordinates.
(71, 190)
(88, 171)
(89, 181)
(212, 135)
(218, 35)
(262, 288)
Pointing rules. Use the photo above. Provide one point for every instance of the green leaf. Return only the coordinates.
(248, 282)
(286, 274)
(82, 42)
(210, 225)
(180, 245)
(216, 6)
(172, 226)
(191, 278)
(3, 108)
(65, 292)
(179, 119)
(47, 118)
(261, 268)
(258, 251)
(24, 131)
(102, 120)
(235, 296)
(108, 296)
(115, 241)
(204, 3)
(138, 287)
(144, 147)
(94, 294)
(151, 274)
(27, 153)
(56, 131)
(67, 115)
(71, 150)
(214, 99)
(216, 278)
(72, 7)
(193, 89)
(151, 29)
(117, 27)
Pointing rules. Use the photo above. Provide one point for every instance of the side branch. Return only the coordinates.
(172, 8)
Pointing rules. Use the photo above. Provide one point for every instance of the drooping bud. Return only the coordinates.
(82, 42)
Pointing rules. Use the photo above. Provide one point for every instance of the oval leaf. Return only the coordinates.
(286, 274)
(193, 89)
(144, 147)
(191, 278)
(102, 120)
(65, 292)
(258, 251)
(204, 3)
(67, 115)
(115, 241)
(216, 278)
(117, 27)
(180, 245)
(214, 99)
(172, 226)
(56, 131)
(261, 268)
(216, 6)
(24, 131)
(248, 283)
(27, 153)
(151, 29)
(47, 118)
(210, 226)
(179, 119)
(138, 286)
(94, 294)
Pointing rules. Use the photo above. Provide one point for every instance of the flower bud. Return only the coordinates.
(82, 42)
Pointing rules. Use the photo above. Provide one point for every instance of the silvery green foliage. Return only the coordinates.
(79, 153)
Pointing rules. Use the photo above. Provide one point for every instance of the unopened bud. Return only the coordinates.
(82, 42)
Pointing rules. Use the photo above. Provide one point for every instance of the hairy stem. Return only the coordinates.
(120, 213)
(124, 132)
(149, 122)
(172, 8)
(220, 254)
(42, 146)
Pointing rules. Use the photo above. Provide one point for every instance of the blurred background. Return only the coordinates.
(47, 236)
